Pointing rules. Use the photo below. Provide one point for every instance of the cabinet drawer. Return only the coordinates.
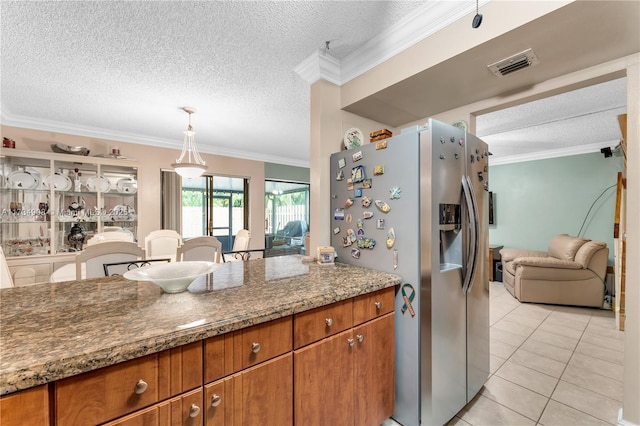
(262, 342)
(107, 393)
(373, 305)
(318, 323)
(27, 407)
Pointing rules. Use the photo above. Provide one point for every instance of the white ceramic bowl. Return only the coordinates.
(172, 277)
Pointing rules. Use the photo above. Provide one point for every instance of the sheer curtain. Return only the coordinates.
(171, 201)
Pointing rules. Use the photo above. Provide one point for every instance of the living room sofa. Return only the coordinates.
(571, 272)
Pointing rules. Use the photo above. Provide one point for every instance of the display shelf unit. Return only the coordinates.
(43, 195)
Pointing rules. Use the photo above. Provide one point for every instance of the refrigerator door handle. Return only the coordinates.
(472, 210)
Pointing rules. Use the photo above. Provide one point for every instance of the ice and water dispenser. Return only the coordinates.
(450, 224)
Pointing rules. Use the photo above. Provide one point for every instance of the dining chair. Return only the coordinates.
(95, 256)
(241, 241)
(200, 248)
(119, 268)
(103, 237)
(162, 243)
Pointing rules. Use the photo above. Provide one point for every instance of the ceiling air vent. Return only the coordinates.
(514, 63)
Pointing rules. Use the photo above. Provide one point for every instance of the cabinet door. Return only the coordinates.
(374, 371)
(266, 393)
(107, 393)
(324, 382)
(28, 407)
(218, 404)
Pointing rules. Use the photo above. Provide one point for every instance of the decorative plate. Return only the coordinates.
(60, 182)
(127, 186)
(353, 138)
(23, 180)
(98, 181)
(460, 124)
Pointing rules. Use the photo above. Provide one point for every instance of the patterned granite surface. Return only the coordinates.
(52, 331)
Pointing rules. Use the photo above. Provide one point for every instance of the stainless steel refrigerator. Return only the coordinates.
(416, 205)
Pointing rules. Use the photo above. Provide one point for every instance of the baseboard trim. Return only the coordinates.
(622, 422)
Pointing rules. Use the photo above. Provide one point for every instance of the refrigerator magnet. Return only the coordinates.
(340, 175)
(355, 253)
(357, 192)
(338, 214)
(342, 162)
(367, 215)
(357, 156)
(360, 232)
(366, 183)
(357, 174)
(336, 230)
(380, 224)
(366, 243)
(395, 192)
(391, 238)
(360, 224)
(378, 170)
(349, 184)
(349, 202)
(381, 145)
(382, 206)
(366, 202)
(348, 218)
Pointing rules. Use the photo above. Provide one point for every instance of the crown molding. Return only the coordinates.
(425, 21)
(319, 65)
(553, 153)
(8, 119)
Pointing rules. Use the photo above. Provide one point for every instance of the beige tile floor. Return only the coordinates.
(550, 365)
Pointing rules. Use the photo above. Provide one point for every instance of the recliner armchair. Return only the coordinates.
(571, 272)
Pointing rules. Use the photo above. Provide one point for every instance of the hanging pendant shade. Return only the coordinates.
(190, 165)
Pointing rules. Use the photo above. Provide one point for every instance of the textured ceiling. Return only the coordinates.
(122, 69)
(586, 116)
(127, 67)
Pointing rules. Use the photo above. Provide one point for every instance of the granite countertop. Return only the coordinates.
(52, 331)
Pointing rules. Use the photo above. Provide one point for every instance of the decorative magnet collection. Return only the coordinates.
(360, 238)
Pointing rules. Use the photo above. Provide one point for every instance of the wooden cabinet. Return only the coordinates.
(185, 410)
(341, 372)
(262, 386)
(348, 378)
(323, 385)
(28, 407)
(110, 392)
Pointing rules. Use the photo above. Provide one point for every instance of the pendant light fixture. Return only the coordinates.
(190, 164)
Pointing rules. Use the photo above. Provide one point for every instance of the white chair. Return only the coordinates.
(240, 247)
(94, 257)
(200, 248)
(5, 275)
(102, 237)
(162, 243)
(242, 240)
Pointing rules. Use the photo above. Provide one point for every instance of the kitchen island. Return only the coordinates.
(50, 332)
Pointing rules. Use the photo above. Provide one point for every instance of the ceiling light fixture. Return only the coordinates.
(190, 165)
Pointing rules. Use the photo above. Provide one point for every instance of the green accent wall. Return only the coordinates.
(286, 173)
(535, 200)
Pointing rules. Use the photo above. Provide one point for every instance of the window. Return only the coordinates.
(286, 217)
(214, 205)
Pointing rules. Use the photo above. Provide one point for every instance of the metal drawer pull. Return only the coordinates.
(194, 410)
(329, 322)
(378, 305)
(360, 338)
(255, 347)
(350, 341)
(216, 400)
(141, 386)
